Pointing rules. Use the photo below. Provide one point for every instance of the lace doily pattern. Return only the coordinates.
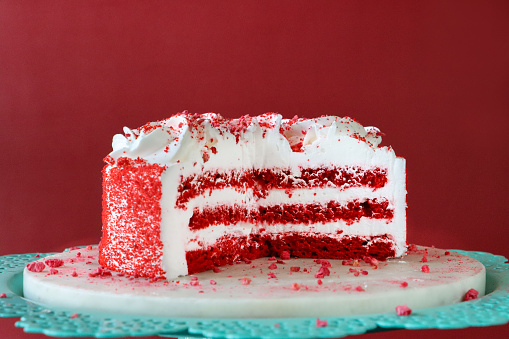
(492, 309)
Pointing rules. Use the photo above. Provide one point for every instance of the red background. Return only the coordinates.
(433, 76)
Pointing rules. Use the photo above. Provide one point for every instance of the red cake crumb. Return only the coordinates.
(216, 270)
(74, 274)
(295, 268)
(194, 278)
(36, 256)
(74, 315)
(53, 271)
(425, 256)
(471, 295)
(447, 253)
(36, 267)
(54, 262)
(3, 295)
(100, 272)
(359, 289)
(354, 271)
(321, 323)
(272, 266)
(272, 258)
(412, 247)
(285, 255)
(213, 282)
(425, 268)
(364, 272)
(245, 281)
(89, 247)
(194, 283)
(404, 284)
(319, 282)
(403, 310)
(295, 286)
(325, 263)
(272, 275)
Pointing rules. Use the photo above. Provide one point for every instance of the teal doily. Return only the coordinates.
(492, 309)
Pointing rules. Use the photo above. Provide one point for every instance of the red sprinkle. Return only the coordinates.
(285, 255)
(54, 262)
(272, 266)
(471, 294)
(36, 266)
(321, 323)
(425, 268)
(403, 310)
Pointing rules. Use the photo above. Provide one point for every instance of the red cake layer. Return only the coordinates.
(132, 194)
(313, 213)
(263, 180)
(230, 249)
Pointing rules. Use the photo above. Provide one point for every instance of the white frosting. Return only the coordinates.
(191, 144)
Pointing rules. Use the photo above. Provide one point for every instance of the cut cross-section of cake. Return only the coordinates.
(198, 191)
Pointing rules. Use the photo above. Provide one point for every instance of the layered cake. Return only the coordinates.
(196, 192)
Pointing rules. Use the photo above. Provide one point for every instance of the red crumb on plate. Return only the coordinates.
(403, 284)
(321, 323)
(285, 255)
(36, 267)
(74, 274)
(403, 310)
(3, 295)
(295, 268)
(295, 286)
(359, 289)
(272, 266)
(471, 295)
(54, 262)
(74, 315)
(425, 268)
(99, 272)
(272, 275)
(53, 271)
(245, 281)
(319, 282)
(213, 282)
(216, 270)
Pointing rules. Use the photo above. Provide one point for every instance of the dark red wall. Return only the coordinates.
(432, 75)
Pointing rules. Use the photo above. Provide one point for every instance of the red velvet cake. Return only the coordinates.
(196, 192)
